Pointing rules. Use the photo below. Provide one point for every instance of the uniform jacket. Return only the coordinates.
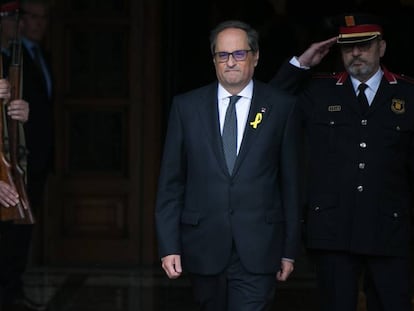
(201, 209)
(360, 174)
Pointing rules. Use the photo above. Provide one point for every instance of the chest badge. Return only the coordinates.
(334, 108)
(398, 106)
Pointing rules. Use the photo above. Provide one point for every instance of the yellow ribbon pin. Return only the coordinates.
(257, 120)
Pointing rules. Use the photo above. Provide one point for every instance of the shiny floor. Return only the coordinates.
(147, 289)
(136, 289)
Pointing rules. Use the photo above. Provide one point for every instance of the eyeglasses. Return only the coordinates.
(362, 46)
(239, 55)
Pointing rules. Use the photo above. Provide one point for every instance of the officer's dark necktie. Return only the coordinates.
(229, 135)
(362, 98)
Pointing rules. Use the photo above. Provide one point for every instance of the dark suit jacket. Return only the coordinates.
(39, 127)
(360, 166)
(201, 210)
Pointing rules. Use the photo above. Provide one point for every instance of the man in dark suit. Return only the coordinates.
(38, 91)
(361, 148)
(38, 130)
(229, 216)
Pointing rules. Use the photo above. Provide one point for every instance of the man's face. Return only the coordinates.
(34, 21)
(234, 74)
(362, 60)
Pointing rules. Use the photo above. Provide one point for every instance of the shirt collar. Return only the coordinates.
(373, 82)
(247, 92)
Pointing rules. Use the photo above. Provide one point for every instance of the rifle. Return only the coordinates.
(13, 212)
(18, 174)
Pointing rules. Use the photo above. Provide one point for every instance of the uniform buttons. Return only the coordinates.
(363, 145)
(361, 165)
(397, 128)
(395, 215)
(331, 122)
(364, 122)
(317, 208)
(360, 188)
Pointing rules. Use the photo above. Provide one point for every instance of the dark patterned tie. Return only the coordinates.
(362, 98)
(229, 135)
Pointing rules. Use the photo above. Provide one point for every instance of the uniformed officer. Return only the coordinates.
(360, 168)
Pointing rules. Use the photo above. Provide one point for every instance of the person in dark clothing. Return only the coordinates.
(38, 133)
(360, 167)
(227, 207)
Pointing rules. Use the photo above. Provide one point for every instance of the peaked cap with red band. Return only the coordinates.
(358, 28)
(8, 7)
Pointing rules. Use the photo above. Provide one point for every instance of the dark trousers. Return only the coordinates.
(15, 244)
(235, 289)
(339, 274)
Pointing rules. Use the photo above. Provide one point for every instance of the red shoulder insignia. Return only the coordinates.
(341, 77)
(405, 78)
(393, 78)
(389, 76)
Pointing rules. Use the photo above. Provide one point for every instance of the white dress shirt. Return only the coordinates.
(373, 85)
(242, 108)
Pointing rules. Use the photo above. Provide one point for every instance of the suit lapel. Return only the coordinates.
(259, 111)
(209, 116)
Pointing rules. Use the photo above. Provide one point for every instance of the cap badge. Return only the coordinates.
(349, 21)
(398, 106)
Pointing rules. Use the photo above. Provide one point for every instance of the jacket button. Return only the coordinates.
(363, 145)
(364, 122)
(360, 188)
(395, 215)
(361, 165)
(317, 208)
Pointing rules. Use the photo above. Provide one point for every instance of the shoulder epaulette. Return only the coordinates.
(405, 78)
(339, 76)
(389, 76)
(328, 75)
(322, 75)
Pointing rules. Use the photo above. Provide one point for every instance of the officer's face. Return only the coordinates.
(362, 61)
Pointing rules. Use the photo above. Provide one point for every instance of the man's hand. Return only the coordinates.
(286, 269)
(18, 109)
(172, 266)
(8, 195)
(4, 89)
(316, 52)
